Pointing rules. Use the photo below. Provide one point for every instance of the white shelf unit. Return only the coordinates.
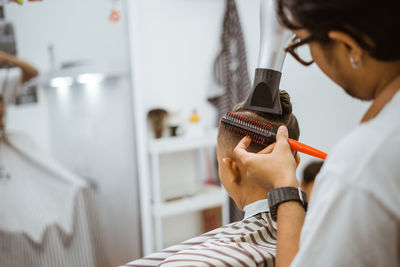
(182, 143)
(209, 196)
(205, 197)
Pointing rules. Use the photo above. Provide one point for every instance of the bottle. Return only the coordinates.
(194, 128)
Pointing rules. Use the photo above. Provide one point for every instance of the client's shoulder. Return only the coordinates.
(247, 242)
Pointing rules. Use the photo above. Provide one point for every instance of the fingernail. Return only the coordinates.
(282, 130)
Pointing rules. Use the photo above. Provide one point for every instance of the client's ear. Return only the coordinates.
(232, 168)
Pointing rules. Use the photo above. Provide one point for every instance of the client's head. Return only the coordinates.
(309, 174)
(242, 189)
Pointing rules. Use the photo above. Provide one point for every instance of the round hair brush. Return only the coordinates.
(262, 133)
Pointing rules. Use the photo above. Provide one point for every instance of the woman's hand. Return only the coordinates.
(272, 167)
(28, 71)
(4, 57)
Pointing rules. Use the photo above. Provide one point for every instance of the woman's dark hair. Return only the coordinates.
(363, 20)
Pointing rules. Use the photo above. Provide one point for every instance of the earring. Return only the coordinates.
(354, 64)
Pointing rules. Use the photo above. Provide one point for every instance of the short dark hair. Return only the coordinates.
(361, 19)
(287, 118)
(311, 171)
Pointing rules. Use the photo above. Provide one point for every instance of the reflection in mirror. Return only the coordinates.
(69, 143)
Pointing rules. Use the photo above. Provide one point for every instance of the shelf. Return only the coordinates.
(209, 196)
(182, 143)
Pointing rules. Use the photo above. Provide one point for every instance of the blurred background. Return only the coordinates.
(122, 105)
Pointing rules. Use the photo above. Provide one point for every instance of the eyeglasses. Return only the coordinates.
(300, 52)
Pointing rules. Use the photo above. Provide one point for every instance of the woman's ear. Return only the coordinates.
(233, 170)
(355, 50)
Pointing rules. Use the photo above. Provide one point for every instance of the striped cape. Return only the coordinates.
(250, 242)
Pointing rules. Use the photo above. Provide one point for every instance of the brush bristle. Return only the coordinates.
(239, 125)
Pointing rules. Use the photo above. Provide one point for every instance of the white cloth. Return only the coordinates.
(47, 215)
(82, 248)
(10, 84)
(256, 208)
(35, 192)
(354, 212)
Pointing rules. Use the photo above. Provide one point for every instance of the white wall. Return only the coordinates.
(78, 30)
(93, 135)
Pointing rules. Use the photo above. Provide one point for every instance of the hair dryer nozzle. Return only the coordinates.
(265, 94)
(273, 38)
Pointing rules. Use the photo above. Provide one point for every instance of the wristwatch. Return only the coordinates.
(280, 195)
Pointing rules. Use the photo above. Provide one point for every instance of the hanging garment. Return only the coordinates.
(10, 84)
(232, 83)
(230, 67)
(46, 214)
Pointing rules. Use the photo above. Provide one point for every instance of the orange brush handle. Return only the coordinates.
(300, 147)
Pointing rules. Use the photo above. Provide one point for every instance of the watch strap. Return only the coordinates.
(280, 195)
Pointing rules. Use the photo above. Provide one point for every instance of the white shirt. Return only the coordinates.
(354, 212)
(256, 208)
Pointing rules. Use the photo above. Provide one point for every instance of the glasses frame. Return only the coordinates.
(293, 45)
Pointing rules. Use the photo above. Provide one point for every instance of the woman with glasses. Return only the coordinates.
(354, 214)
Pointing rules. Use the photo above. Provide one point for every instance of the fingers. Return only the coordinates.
(268, 149)
(240, 151)
(282, 139)
(282, 134)
(244, 143)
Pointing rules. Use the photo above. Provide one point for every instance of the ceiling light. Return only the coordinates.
(90, 78)
(61, 82)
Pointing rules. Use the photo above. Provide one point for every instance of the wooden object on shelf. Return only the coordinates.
(157, 118)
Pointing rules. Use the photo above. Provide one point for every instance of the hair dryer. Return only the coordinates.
(264, 96)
